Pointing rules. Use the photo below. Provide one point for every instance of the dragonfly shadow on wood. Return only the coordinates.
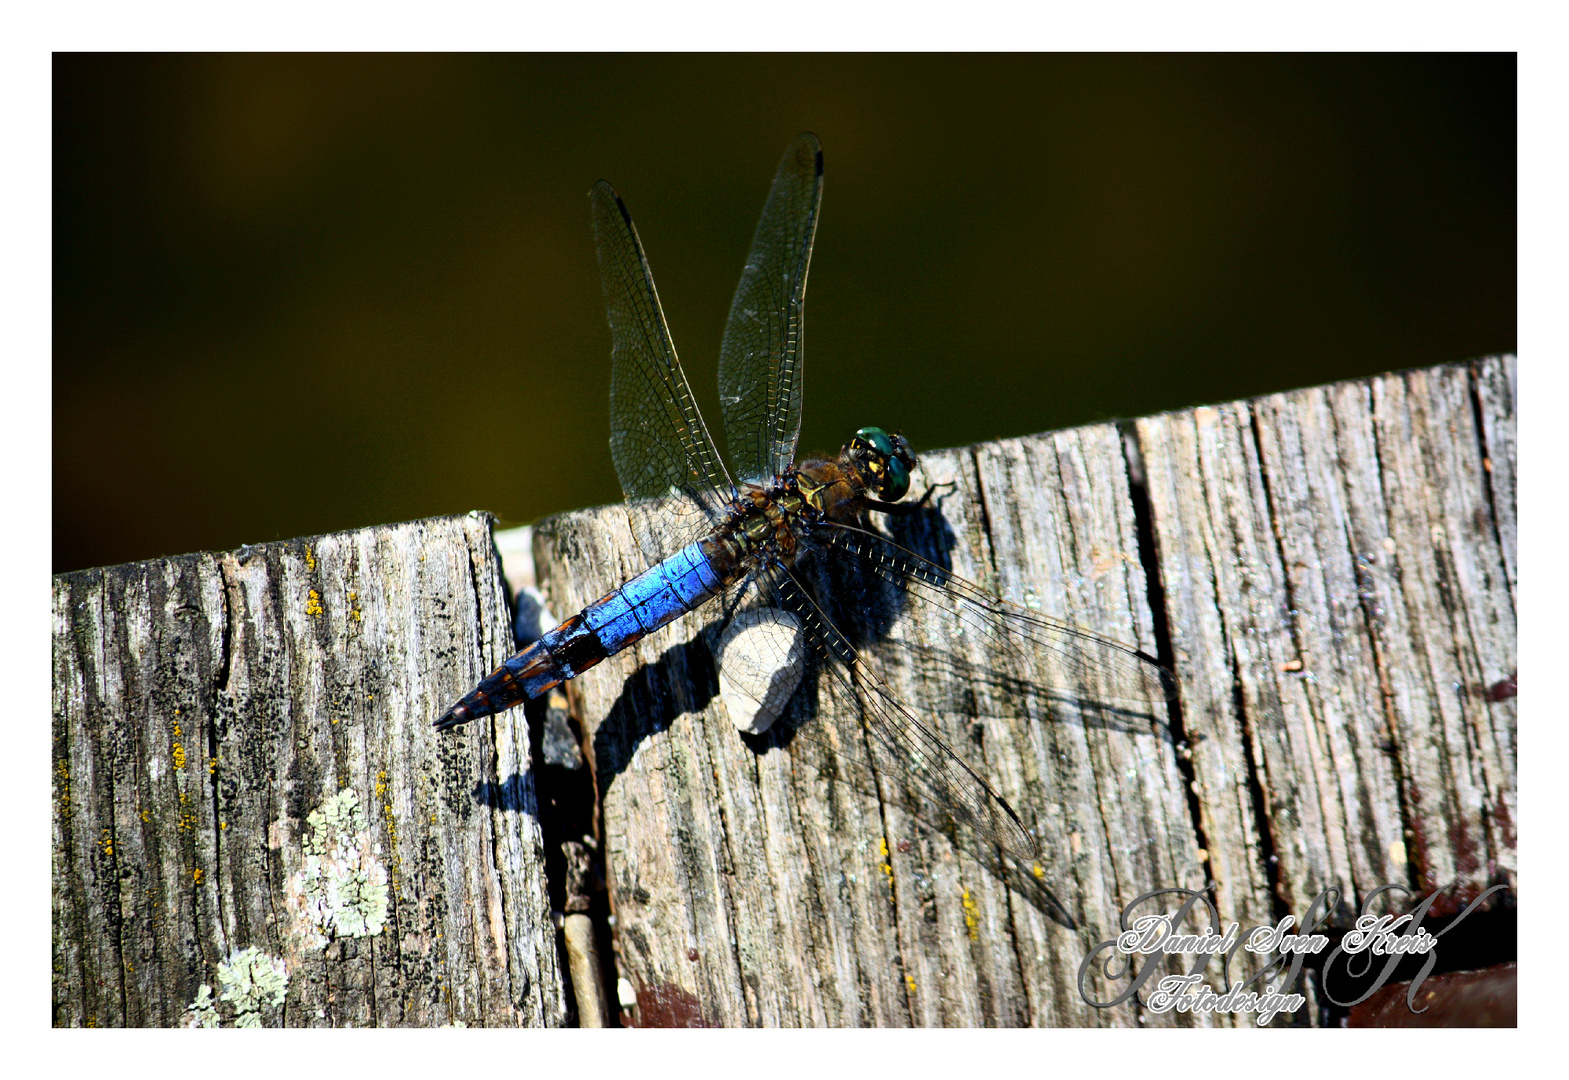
(652, 698)
(514, 795)
(868, 608)
(837, 748)
(683, 681)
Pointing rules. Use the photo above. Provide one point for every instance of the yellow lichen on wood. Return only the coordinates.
(394, 861)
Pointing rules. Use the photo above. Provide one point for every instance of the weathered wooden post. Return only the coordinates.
(247, 787)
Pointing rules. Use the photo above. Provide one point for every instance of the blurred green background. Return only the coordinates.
(296, 294)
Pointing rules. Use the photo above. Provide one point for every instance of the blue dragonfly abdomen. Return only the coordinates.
(660, 594)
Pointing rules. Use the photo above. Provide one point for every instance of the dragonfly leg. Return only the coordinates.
(906, 507)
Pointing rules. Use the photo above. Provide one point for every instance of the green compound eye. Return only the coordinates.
(878, 438)
(897, 482)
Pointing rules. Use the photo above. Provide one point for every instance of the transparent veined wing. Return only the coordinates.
(879, 736)
(1065, 660)
(971, 636)
(674, 481)
(760, 356)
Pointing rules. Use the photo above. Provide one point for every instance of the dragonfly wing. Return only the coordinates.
(1065, 660)
(670, 471)
(894, 739)
(760, 356)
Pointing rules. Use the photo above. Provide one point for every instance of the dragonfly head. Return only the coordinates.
(883, 461)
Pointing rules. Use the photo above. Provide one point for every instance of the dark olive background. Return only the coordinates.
(295, 294)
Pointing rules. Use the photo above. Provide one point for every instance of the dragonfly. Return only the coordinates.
(744, 539)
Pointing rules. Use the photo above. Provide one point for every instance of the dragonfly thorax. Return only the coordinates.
(769, 522)
(763, 523)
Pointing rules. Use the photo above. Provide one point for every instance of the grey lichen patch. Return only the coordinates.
(203, 1012)
(250, 979)
(341, 891)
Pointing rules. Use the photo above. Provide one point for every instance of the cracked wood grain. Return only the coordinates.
(1338, 573)
(205, 705)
